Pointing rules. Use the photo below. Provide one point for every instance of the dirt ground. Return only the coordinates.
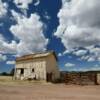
(49, 92)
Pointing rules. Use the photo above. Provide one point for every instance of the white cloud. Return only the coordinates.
(84, 57)
(69, 65)
(6, 47)
(80, 52)
(10, 47)
(94, 68)
(23, 4)
(95, 50)
(79, 26)
(60, 54)
(3, 57)
(29, 31)
(79, 23)
(94, 54)
(10, 62)
(37, 3)
(3, 8)
(67, 51)
(91, 59)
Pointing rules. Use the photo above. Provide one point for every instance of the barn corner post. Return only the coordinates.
(97, 78)
(14, 76)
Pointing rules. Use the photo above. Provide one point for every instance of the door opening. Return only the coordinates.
(49, 77)
(22, 71)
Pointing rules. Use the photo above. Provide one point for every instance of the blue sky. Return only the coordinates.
(69, 27)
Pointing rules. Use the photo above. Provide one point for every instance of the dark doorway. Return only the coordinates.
(32, 69)
(22, 71)
(49, 77)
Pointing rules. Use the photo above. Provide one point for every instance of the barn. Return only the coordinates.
(38, 66)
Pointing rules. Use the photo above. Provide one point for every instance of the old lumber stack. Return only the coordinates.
(81, 78)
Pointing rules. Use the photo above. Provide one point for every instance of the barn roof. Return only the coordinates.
(36, 55)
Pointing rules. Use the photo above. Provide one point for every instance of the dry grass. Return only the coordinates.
(8, 80)
(24, 90)
(5, 78)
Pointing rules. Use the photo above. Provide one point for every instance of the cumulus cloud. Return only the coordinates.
(10, 62)
(79, 26)
(94, 54)
(80, 52)
(69, 65)
(3, 57)
(23, 4)
(6, 47)
(29, 31)
(79, 23)
(3, 8)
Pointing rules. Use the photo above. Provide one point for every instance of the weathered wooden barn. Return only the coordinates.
(81, 78)
(39, 66)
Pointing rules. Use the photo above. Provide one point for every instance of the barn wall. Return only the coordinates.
(52, 67)
(39, 66)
